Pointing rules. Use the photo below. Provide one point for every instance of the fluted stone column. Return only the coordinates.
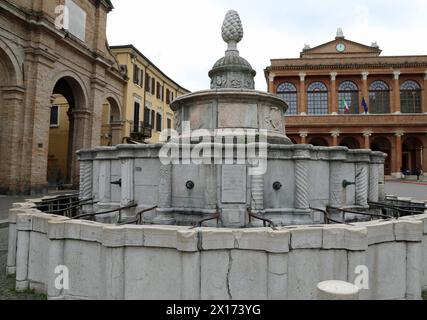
(335, 134)
(301, 158)
(303, 136)
(397, 154)
(374, 180)
(362, 159)
(367, 139)
(86, 174)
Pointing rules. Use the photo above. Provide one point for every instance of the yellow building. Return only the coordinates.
(147, 97)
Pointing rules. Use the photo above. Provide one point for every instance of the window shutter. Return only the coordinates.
(141, 79)
(168, 96)
(153, 86)
(159, 122)
(135, 74)
(147, 82)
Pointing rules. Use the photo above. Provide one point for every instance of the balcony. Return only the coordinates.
(141, 132)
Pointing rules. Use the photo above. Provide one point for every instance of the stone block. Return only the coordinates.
(113, 236)
(134, 236)
(247, 275)
(86, 265)
(152, 274)
(308, 267)
(277, 277)
(387, 271)
(190, 284)
(379, 231)
(420, 217)
(161, 236)
(38, 258)
(411, 231)
(72, 229)
(91, 231)
(214, 275)
(187, 240)
(307, 238)
(354, 238)
(56, 230)
(24, 222)
(217, 239)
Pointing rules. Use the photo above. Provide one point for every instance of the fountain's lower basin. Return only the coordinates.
(297, 179)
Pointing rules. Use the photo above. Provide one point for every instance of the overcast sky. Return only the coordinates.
(183, 37)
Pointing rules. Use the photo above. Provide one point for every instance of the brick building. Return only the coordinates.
(41, 60)
(344, 93)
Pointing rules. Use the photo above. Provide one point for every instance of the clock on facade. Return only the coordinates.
(340, 47)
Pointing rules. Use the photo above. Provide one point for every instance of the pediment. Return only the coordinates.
(347, 47)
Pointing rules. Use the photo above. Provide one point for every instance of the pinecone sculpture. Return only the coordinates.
(232, 29)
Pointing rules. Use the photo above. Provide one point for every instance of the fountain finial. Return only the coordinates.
(232, 30)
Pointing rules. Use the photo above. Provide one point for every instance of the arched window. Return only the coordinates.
(288, 92)
(379, 98)
(410, 97)
(348, 95)
(317, 98)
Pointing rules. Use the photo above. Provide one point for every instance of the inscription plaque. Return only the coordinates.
(233, 188)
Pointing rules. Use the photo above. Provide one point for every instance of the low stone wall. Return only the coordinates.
(167, 262)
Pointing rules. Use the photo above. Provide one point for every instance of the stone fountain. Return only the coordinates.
(229, 159)
(245, 162)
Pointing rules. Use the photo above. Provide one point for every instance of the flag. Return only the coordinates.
(365, 106)
(345, 105)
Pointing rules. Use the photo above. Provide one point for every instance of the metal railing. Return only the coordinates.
(327, 218)
(137, 219)
(92, 215)
(251, 215)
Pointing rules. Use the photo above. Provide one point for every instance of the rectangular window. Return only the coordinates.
(141, 79)
(159, 122)
(136, 117)
(169, 123)
(75, 20)
(54, 116)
